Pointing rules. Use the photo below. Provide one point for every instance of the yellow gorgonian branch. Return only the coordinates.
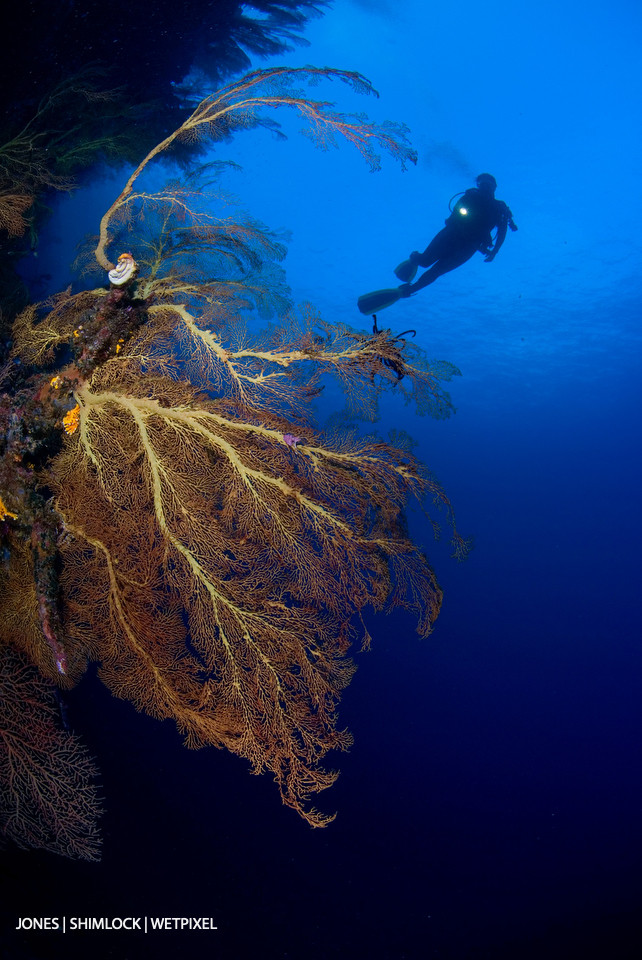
(241, 105)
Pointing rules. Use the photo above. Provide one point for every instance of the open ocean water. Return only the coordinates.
(491, 806)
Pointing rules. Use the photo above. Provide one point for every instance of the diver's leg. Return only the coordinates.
(443, 265)
(438, 247)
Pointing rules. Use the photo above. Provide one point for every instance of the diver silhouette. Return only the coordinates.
(468, 230)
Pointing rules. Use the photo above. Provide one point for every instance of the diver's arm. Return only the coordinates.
(499, 239)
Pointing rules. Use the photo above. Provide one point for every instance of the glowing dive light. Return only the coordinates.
(463, 211)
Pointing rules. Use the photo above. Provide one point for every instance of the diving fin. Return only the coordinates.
(406, 271)
(378, 299)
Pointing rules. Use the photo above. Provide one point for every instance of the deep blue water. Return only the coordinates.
(491, 805)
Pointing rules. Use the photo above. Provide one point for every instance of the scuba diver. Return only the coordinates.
(468, 229)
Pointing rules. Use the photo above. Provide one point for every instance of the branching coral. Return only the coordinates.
(244, 104)
(48, 794)
(196, 531)
(45, 153)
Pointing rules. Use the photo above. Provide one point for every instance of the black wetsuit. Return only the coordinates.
(468, 229)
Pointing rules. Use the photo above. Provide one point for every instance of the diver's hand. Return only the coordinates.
(490, 256)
